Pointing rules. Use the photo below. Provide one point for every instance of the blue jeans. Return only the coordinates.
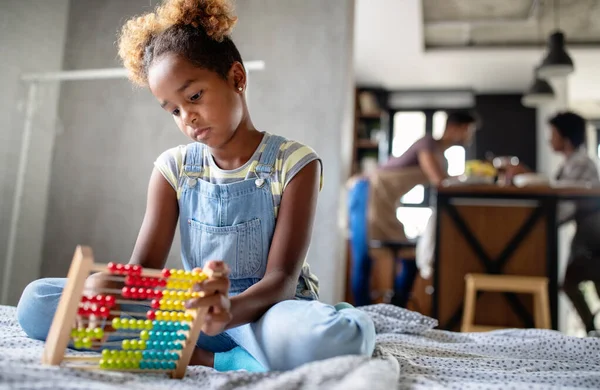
(288, 335)
(358, 198)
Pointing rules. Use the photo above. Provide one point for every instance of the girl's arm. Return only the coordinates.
(158, 227)
(156, 234)
(288, 249)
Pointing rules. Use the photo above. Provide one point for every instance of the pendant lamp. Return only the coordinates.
(540, 92)
(557, 62)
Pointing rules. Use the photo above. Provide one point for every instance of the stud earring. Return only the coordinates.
(240, 89)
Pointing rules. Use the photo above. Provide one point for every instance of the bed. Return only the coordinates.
(410, 353)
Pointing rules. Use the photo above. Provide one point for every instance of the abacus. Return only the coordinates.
(160, 340)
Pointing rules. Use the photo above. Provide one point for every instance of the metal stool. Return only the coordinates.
(538, 286)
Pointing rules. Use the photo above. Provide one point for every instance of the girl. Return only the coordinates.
(243, 197)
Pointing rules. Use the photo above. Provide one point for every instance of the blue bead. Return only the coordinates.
(185, 327)
(143, 365)
(172, 365)
(179, 346)
(164, 365)
(162, 345)
(160, 355)
(170, 345)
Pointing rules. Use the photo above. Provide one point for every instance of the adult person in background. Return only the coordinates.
(373, 199)
(567, 138)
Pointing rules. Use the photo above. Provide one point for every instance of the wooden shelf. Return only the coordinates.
(366, 144)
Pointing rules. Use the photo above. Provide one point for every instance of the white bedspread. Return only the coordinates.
(409, 354)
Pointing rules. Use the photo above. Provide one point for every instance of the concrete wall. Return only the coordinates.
(112, 133)
(32, 36)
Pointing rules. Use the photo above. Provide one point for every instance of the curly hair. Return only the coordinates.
(198, 30)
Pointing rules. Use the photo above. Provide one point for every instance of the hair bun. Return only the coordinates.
(214, 16)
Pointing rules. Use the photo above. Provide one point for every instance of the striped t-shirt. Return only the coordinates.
(291, 158)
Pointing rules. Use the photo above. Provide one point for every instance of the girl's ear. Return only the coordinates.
(237, 77)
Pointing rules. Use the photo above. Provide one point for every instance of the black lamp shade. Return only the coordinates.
(539, 93)
(557, 62)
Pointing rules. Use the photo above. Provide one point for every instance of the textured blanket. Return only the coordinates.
(410, 353)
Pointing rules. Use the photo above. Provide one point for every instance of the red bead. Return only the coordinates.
(84, 298)
(112, 267)
(136, 269)
(162, 283)
(150, 315)
(166, 273)
(99, 299)
(127, 269)
(155, 304)
(110, 301)
(133, 293)
(119, 268)
(81, 311)
(125, 292)
(141, 293)
(129, 280)
(102, 312)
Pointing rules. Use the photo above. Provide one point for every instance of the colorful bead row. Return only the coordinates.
(179, 284)
(94, 333)
(167, 304)
(161, 336)
(140, 293)
(144, 281)
(124, 269)
(192, 276)
(124, 323)
(139, 355)
(180, 295)
(98, 311)
(169, 316)
(85, 342)
(103, 300)
(142, 345)
(127, 364)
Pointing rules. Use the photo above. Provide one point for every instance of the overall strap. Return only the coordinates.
(194, 158)
(266, 164)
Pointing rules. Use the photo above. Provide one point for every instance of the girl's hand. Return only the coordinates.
(216, 298)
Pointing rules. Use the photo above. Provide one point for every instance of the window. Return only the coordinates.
(408, 127)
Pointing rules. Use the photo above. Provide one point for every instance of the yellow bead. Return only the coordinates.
(181, 316)
(148, 324)
(142, 346)
(124, 323)
(139, 324)
(144, 335)
(169, 285)
(133, 344)
(173, 271)
(158, 315)
(125, 344)
(132, 324)
(180, 273)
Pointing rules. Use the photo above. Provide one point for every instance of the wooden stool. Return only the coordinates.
(538, 286)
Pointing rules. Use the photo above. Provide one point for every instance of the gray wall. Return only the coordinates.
(32, 37)
(112, 133)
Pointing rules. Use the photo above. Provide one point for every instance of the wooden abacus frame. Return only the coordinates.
(60, 330)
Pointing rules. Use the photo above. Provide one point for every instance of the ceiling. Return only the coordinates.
(497, 23)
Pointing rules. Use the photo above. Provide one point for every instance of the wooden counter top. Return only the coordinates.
(512, 191)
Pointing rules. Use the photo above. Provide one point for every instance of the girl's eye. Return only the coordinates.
(175, 112)
(196, 96)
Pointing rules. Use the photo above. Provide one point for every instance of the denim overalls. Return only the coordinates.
(235, 223)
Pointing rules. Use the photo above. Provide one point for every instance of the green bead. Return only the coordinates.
(132, 324)
(87, 342)
(148, 324)
(140, 324)
(98, 333)
(105, 353)
(124, 323)
(144, 335)
(125, 344)
(138, 355)
(116, 323)
(110, 363)
(74, 333)
(77, 344)
(114, 353)
(128, 364)
(102, 363)
(142, 344)
(135, 364)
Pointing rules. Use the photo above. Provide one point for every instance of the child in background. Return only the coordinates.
(243, 197)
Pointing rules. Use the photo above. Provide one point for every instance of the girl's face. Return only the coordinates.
(206, 107)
